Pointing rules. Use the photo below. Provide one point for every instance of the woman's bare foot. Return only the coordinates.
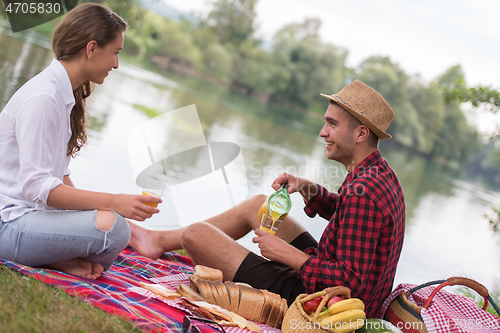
(79, 267)
(152, 243)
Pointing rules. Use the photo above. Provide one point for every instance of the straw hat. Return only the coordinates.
(366, 105)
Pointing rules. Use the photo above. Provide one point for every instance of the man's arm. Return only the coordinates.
(316, 197)
(324, 204)
(350, 248)
(305, 187)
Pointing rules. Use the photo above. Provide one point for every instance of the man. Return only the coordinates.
(362, 243)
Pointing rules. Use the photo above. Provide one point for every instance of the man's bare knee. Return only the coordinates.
(104, 220)
(211, 247)
(194, 233)
(258, 199)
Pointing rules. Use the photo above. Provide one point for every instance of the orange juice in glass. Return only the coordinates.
(154, 188)
(269, 223)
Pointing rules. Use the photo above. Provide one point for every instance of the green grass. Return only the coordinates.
(28, 305)
(480, 301)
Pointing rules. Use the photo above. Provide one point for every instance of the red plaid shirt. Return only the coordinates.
(360, 247)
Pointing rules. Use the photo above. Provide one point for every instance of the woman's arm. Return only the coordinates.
(67, 181)
(128, 205)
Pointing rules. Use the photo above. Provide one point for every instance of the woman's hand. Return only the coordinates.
(130, 206)
(276, 249)
(133, 206)
(305, 187)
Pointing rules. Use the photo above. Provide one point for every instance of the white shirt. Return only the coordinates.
(34, 133)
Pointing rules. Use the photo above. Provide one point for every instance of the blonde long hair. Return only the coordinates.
(85, 23)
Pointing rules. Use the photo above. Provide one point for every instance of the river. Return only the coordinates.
(447, 233)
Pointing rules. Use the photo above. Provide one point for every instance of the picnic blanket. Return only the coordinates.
(118, 290)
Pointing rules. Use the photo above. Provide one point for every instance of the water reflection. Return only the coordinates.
(20, 62)
(447, 233)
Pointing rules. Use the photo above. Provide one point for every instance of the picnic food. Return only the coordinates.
(207, 273)
(160, 290)
(335, 299)
(250, 303)
(344, 305)
(344, 316)
(218, 314)
(311, 305)
(188, 292)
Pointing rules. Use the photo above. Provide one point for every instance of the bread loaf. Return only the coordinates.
(250, 303)
(249, 299)
(267, 308)
(206, 291)
(273, 318)
(223, 295)
(234, 296)
(207, 273)
(189, 293)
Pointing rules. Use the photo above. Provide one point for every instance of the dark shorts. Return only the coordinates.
(274, 276)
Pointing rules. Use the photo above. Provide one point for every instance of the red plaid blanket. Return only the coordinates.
(118, 290)
(447, 312)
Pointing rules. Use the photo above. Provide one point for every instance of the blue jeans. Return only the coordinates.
(45, 237)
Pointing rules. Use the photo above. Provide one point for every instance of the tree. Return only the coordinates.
(158, 36)
(232, 20)
(455, 90)
(457, 140)
(253, 69)
(304, 65)
(392, 83)
(429, 104)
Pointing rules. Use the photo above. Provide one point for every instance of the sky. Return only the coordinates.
(421, 36)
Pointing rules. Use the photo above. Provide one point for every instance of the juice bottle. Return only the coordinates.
(277, 205)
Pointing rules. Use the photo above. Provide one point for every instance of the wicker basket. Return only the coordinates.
(297, 320)
(403, 313)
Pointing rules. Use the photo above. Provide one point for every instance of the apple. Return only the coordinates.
(311, 305)
(334, 300)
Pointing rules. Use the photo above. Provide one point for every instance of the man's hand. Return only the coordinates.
(306, 188)
(276, 249)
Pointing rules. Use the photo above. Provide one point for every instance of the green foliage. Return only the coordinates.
(392, 83)
(304, 65)
(457, 141)
(232, 20)
(297, 66)
(253, 69)
(129, 10)
(430, 106)
(495, 219)
(455, 90)
(480, 300)
(158, 36)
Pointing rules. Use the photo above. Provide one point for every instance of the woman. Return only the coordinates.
(46, 221)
